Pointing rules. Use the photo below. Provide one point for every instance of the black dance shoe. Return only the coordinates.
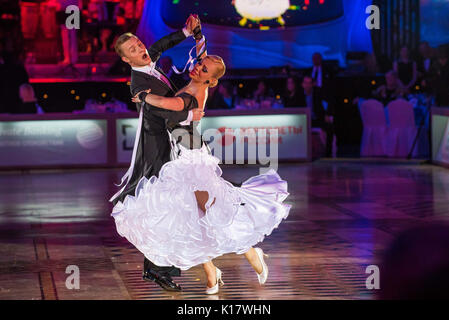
(164, 281)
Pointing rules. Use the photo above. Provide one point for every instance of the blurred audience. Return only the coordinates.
(29, 102)
(440, 80)
(102, 20)
(319, 73)
(68, 36)
(322, 113)
(291, 97)
(222, 96)
(424, 64)
(406, 69)
(391, 90)
(263, 93)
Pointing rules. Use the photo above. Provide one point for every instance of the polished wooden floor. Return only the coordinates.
(344, 215)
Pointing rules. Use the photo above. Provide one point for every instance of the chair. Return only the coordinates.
(402, 130)
(374, 128)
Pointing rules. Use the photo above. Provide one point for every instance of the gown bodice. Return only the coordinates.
(189, 136)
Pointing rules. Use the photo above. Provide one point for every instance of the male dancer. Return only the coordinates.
(152, 150)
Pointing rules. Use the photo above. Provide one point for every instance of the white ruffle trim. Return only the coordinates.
(163, 221)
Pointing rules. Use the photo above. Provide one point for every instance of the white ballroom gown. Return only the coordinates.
(164, 222)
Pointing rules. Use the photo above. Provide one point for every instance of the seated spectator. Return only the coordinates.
(311, 97)
(222, 97)
(291, 97)
(29, 101)
(166, 64)
(406, 69)
(440, 78)
(391, 90)
(262, 93)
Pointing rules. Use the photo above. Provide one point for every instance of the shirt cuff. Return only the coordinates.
(188, 120)
(186, 33)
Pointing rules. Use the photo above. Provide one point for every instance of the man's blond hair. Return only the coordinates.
(121, 40)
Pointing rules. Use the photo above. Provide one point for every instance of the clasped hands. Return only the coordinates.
(192, 23)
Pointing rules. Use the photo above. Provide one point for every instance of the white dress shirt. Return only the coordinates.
(151, 70)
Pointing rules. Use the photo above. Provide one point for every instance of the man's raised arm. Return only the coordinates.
(156, 49)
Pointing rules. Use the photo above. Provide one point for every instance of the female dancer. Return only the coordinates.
(190, 215)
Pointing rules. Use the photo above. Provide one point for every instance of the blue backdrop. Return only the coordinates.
(435, 21)
(333, 33)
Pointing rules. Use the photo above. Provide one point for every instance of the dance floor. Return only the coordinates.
(344, 214)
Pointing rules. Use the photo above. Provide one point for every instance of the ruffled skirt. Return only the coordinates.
(164, 222)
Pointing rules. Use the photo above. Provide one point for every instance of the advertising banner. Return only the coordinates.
(53, 142)
(238, 139)
(126, 133)
(440, 138)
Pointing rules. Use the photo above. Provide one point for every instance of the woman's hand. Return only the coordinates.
(136, 97)
(197, 114)
(191, 23)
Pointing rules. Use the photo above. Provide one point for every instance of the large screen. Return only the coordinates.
(253, 14)
(263, 33)
(434, 21)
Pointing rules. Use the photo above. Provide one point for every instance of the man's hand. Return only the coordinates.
(136, 97)
(197, 114)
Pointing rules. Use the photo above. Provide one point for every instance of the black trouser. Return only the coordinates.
(149, 166)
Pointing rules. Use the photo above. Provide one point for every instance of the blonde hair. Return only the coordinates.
(121, 40)
(221, 69)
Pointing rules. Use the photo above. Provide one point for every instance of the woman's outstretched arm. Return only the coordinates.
(168, 103)
(171, 103)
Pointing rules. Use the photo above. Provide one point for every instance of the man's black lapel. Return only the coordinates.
(153, 80)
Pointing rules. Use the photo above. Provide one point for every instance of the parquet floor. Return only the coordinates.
(344, 215)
